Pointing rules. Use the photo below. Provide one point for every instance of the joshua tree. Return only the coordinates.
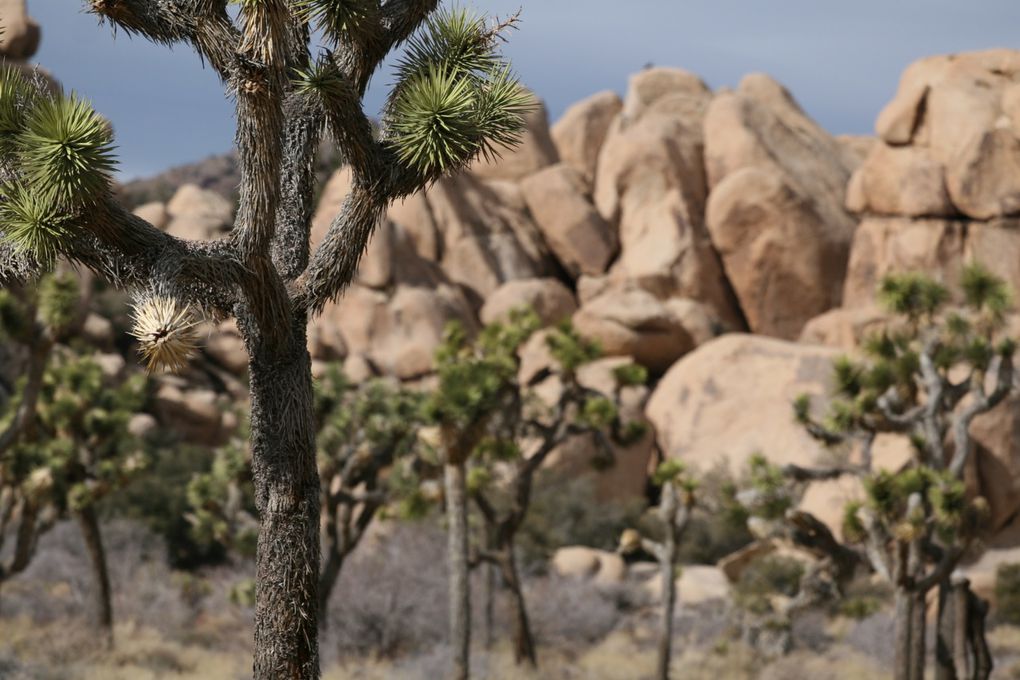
(522, 435)
(926, 377)
(363, 431)
(674, 512)
(33, 319)
(493, 436)
(453, 100)
(69, 444)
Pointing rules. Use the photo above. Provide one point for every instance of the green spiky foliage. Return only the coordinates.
(455, 98)
(339, 20)
(66, 150)
(221, 506)
(60, 160)
(502, 431)
(79, 449)
(934, 366)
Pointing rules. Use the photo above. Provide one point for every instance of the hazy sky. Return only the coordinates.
(840, 58)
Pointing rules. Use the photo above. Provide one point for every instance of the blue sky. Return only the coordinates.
(841, 59)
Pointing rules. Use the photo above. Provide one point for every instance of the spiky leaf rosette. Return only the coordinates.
(166, 333)
(16, 97)
(454, 97)
(66, 150)
(339, 19)
(32, 221)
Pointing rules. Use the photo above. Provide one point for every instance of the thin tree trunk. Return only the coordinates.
(959, 595)
(903, 622)
(977, 610)
(918, 640)
(668, 578)
(524, 641)
(490, 576)
(946, 643)
(287, 498)
(327, 581)
(88, 524)
(457, 565)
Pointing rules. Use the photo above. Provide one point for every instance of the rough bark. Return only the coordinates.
(902, 640)
(947, 647)
(666, 573)
(918, 630)
(977, 616)
(91, 535)
(287, 499)
(457, 566)
(524, 641)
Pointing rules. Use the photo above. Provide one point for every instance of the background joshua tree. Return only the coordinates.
(453, 99)
(674, 513)
(363, 431)
(523, 432)
(926, 377)
(66, 445)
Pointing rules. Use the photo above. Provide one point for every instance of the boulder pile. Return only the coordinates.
(723, 239)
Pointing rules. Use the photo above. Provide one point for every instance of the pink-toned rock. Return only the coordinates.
(604, 568)
(550, 299)
(398, 334)
(577, 235)
(886, 246)
(330, 202)
(732, 397)
(226, 347)
(21, 34)
(632, 322)
(579, 134)
(196, 415)
(904, 180)
(154, 213)
(984, 175)
(488, 235)
(650, 86)
(98, 331)
(198, 214)
(414, 216)
(899, 119)
(844, 328)
(856, 148)
(535, 151)
(754, 215)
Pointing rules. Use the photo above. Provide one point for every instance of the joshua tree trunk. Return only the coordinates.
(457, 558)
(327, 581)
(524, 641)
(977, 613)
(88, 524)
(287, 498)
(668, 577)
(904, 620)
(918, 630)
(947, 642)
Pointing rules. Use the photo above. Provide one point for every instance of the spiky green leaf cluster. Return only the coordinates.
(80, 443)
(340, 20)
(984, 291)
(571, 350)
(221, 501)
(773, 494)
(66, 150)
(912, 294)
(17, 97)
(33, 221)
(630, 375)
(668, 471)
(454, 97)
